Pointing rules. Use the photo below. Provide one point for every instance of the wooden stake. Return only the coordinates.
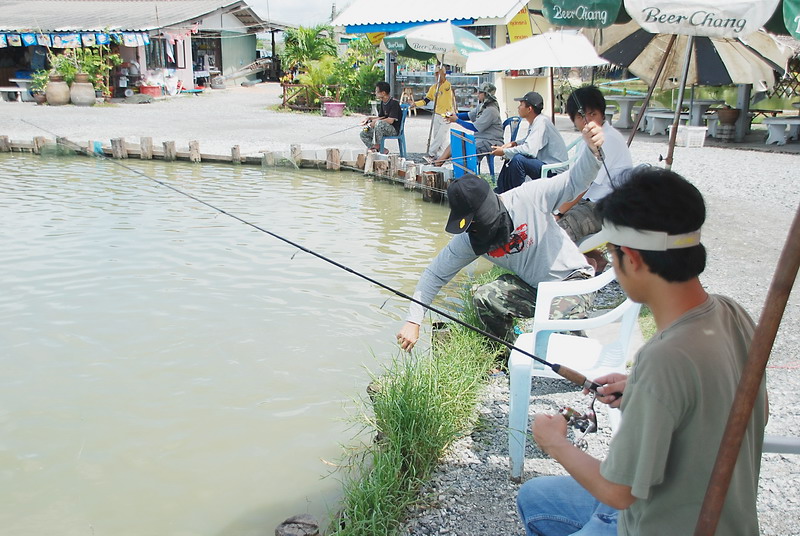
(169, 151)
(236, 155)
(297, 153)
(38, 143)
(5, 144)
(194, 151)
(146, 145)
(369, 163)
(361, 161)
(381, 167)
(118, 149)
(333, 159)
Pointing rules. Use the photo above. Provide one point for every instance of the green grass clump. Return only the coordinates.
(422, 403)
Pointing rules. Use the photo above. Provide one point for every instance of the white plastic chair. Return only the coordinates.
(561, 167)
(586, 355)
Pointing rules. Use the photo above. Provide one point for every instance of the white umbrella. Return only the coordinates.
(551, 49)
(447, 42)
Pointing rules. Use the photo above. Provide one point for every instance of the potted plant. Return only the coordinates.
(39, 81)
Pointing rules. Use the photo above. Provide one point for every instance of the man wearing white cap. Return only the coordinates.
(680, 389)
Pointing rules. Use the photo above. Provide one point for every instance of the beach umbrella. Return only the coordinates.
(446, 42)
(551, 49)
(709, 42)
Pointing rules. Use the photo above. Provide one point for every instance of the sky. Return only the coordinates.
(300, 12)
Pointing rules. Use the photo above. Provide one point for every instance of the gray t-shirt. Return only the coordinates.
(488, 123)
(676, 404)
(538, 250)
(543, 141)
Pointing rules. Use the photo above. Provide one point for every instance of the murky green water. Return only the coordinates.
(166, 370)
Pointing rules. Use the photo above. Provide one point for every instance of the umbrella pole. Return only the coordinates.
(552, 99)
(674, 132)
(651, 89)
(433, 116)
(749, 383)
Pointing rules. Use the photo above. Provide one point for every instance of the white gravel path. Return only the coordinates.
(751, 196)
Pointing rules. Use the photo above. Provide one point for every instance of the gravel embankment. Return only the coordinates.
(751, 197)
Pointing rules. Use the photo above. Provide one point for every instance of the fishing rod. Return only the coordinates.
(338, 132)
(563, 371)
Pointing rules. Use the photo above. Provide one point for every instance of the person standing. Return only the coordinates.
(542, 145)
(441, 92)
(386, 123)
(674, 402)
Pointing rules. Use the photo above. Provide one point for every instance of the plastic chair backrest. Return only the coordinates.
(514, 122)
(561, 167)
(401, 136)
(608, 357)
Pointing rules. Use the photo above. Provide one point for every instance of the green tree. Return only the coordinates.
(357, 72)
(302, 45)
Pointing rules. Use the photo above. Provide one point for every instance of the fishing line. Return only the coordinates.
(563, 371)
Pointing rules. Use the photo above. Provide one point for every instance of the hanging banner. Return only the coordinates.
(791, 17)
(376, 37)
(88, 39)
(44, 40)
(711, 18)
(102, 39)
(14, 40)
(66, 40)
(519, 27)
(28, 39)
(581, 13)
(3, 41)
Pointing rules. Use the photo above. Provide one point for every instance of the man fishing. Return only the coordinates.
(386, 123)
(674, 402)
(514, 230)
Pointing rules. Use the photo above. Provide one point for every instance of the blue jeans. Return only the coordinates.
(558, 505)
(515, 170)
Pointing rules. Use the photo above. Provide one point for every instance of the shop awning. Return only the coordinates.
(362, 16)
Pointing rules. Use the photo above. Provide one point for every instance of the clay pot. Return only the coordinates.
(40, 97)
(82, 91)
(728, 116)
(57, 91)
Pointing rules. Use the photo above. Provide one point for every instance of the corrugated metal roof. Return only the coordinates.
(368, 14)
(115, 15)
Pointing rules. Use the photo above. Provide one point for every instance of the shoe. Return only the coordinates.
(385, 151)
(428, 159)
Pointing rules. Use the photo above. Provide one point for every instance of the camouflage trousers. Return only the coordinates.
(508, 297)
(581, 220)
(380, 131)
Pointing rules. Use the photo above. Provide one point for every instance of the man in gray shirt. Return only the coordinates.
(542, 145)
(515, 230)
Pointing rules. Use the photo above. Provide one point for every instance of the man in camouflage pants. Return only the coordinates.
(514, 230)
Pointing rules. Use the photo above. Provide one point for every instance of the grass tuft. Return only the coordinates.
(422, 403)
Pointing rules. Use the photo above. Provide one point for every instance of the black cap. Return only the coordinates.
(533, 99)
(465, 195)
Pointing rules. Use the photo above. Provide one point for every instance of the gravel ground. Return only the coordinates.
(751, 195)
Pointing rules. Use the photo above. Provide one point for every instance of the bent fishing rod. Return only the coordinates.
(563, 371)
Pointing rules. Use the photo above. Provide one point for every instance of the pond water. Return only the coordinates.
(167, 370)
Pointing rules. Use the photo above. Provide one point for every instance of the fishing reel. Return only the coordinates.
(585, 423)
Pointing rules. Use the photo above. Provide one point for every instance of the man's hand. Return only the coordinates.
(610, 384)
(497, 150)
(593, 134)
(451, 118)
(408, 336)
(550, 432)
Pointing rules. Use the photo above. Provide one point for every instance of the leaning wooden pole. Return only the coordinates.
(652, 87)
(753, 373)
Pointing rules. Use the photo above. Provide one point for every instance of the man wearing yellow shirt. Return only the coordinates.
(441, 92)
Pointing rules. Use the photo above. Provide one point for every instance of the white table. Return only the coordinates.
(698, 108)
(776, 129)
(24, 83)
(659, 122)
(625, 103)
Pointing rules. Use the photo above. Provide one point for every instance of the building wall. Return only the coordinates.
(237, 52)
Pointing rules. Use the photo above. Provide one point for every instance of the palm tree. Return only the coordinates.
(302, 45)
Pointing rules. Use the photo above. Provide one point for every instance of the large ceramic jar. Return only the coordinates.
(57, 91)
(82, 91)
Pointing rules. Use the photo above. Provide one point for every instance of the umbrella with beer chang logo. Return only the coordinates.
(446, 42)
(700, 42)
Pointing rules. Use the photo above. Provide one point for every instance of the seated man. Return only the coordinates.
(675, 401)
(386, 123)
(513, 230)
(484, 120)
(578, 217)
(541, 145)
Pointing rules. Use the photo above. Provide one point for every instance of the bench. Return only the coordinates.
(776, 129)
(657, 122)
(12, 93)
